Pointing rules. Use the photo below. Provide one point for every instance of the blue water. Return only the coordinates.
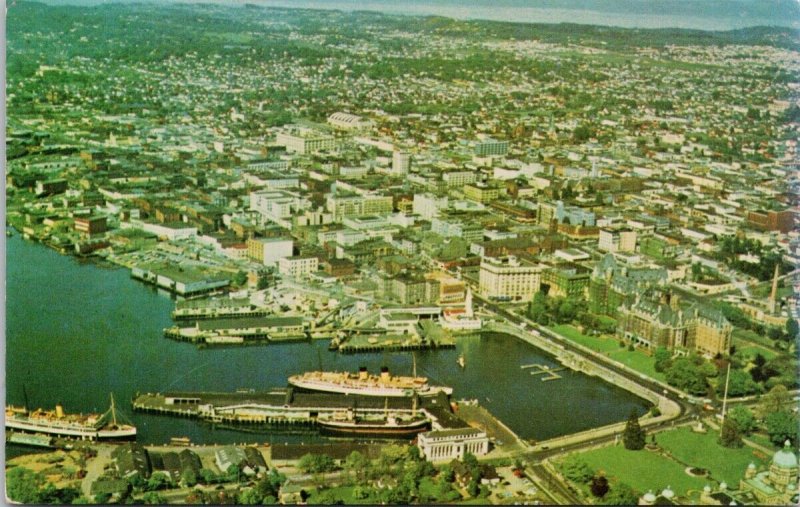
(78, 331)
(692, 14)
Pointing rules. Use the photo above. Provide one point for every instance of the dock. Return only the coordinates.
(281, 408)
(541, 369)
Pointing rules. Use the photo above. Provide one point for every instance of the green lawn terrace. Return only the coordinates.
(668, 465)
(609, 346)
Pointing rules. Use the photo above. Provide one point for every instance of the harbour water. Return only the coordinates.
(76, 331)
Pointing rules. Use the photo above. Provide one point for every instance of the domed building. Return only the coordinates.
(776, 486)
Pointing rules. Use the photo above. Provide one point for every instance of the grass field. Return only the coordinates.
(702, 450)
(343, 493)
(642, 470)
(636, 359)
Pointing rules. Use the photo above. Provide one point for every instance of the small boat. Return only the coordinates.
(461, 361)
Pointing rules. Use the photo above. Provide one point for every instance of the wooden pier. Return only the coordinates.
(542, 369)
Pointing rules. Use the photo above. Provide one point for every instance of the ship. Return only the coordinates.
(74, 426)
(388, 424)
(364, 384)
(461, 361)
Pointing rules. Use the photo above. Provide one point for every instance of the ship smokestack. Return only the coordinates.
(362, 373)
(59, 411)
(385, 373)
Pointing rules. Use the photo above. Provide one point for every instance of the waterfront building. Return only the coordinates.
(620, 239)
(91, 225)
(451, 290)
(506, 278)
(298, 266)
(305, 141)
(268, 250)
(449, 444)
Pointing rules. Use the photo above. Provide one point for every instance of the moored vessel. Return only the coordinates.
(77, 426)
(364, 384)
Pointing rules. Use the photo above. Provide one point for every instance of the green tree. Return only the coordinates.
(240, 278)
(685, 374)
(663, 358)
(250, 496)
(743, 418)
(781, 426)
(621, 494)
(740, 383)
(774, 401)
(158, 480)
(356, 464)
(153, 498)
(634, 436)
(316, 463)
(22, 485)
(576, 470)
(730, 435)
(189, 477)
(792, 329)
(599, 486)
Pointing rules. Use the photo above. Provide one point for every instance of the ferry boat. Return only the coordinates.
(77, 426)
(365, 384)
(389, 424)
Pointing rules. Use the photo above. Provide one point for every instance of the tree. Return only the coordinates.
(781, 426)
(22, 485)
(792, 329)
(663, 358)
(685, 374)
(577, 470)
(189, 477)
(774, 401)
(743, 418)
(730, 435)
(153, 498)
(356, 463)
(316, 463)
(158, 480)
(621, 494)
(634, 436)
(240, 278)
(249, 497)
(740, 383)
(599, 486)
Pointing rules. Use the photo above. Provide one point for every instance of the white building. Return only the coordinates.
(401, 163)
(427, 205)
(505, 278)
(458, 178)
(269, 250)
(298, 266)
(347, 121)
(449, 444)
(304, 141)
(617, 240)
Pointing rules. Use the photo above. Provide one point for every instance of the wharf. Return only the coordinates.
(427, 336)
(277, 407)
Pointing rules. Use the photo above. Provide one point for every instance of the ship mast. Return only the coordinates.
(113, 411)
(414, 365)
(386, 408)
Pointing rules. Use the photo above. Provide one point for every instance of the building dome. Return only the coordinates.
(668, 493)
(723, 486)
(649, 497)
(707, 489)
(785, 458)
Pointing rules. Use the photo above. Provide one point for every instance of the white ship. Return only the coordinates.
(365, 384)
(76, 426)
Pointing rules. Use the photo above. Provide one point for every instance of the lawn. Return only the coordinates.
(642, 470)
(636, 359)
(702, 450)
(746, 335)
(343, 493)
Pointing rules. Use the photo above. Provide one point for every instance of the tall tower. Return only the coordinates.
(773, 296)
